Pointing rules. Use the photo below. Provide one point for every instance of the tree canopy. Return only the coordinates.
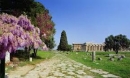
(38, 14)
(63, 45)
(118, 42)
(17, 32)
(46, 26)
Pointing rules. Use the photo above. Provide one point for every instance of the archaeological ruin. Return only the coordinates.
(89, 47)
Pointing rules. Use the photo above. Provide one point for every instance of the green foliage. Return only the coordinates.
(16, 7)
(63, 45)
(50, 43)
(69, 47)
(116, 43)
(37, 8)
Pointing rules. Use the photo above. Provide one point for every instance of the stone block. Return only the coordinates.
(99, 58)
(123, 56)
(111, 59)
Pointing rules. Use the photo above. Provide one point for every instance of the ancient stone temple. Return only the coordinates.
(88, 47)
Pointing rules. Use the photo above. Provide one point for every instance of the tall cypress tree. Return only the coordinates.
(63, 45)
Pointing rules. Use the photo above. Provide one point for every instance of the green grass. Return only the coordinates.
(120, 68)
(41, 56)
(45, 54)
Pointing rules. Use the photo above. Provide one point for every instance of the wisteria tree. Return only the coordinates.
(17, 32)
(36, 11)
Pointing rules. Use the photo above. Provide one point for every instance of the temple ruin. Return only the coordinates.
(89, 47)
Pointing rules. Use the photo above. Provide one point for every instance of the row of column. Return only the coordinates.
(88, 47)
(94, 48)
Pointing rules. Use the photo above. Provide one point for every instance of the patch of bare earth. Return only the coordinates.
(20, 71)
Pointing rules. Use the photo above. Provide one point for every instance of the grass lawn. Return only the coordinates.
(120, 68)
(41, 56)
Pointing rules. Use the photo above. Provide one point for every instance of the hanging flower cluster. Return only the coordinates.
(17, 32)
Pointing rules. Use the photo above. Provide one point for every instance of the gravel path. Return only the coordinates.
(62, 67)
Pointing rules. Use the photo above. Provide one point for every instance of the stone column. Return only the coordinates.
(93, 56)
(102, 47)
(99, 48)
(96, 48)
(89, 48)
(93, 48)
(86, 48)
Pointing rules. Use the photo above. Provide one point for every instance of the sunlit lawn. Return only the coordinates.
(120, 68)
(41, 56)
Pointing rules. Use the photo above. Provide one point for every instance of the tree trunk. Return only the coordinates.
(116, 51)
(35, 52)
(29, 52)
(2, 68)
(12, 55)
(26, 53)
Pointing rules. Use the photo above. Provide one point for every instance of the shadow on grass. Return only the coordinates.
(38, 57)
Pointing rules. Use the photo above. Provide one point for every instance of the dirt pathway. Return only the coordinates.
(60, 67)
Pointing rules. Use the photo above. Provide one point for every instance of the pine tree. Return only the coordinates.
(63, 45)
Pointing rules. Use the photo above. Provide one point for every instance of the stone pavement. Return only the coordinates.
(62, 67)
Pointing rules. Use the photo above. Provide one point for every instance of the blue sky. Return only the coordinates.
(89, 20)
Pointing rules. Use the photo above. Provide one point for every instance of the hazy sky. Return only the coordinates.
(89, 20)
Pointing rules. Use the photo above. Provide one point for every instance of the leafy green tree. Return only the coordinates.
(69, 47)
(36, 8)
(50, 43)
(16, 7)
(109, 42)
(123, 40)
(118, 42)
(63, 45)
